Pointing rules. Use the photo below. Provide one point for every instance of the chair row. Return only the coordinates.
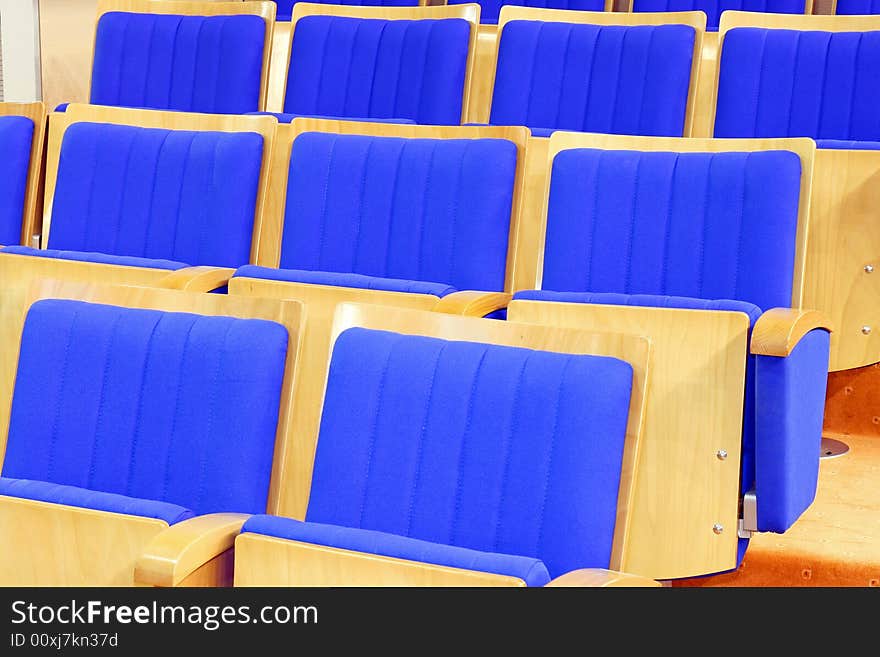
(433, 218)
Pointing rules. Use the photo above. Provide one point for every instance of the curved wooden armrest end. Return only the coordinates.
(778, 331)
(472, 303)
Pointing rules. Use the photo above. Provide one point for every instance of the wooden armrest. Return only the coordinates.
(196, 279)
(778, 331)
(183, 548)
(601, 577)
(471, 303)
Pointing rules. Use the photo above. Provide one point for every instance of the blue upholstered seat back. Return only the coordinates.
(789, 83)
(858, 7)
(492, 448)
(16, 136)
(169, 194)
(285, 7)
(594, 78)
(170, 407)
(714, 8)
(372, 68)
(413, 209)
(713, 226)
(186, 63)
(490, 9)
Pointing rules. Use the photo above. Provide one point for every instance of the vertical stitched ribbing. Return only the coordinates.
(797, 49)
(588, 269)
(173, 61)
(426, 190)
(101, 395)
(586, 116)
(393, 203)
(508, 441)
(224, 24)
(641, 102)
(178, 400)
(119, 208)
(317, 107)
(421, 444)
(50, 466)
(206, 445)
(86, 221)
(668, 226)
(140, 406)
(541, 516)
(852, 99)
(736, 276)
(210, 193)
(365, 168)
(121, 55)
(152, 198)
(372, 443)
(323, 220)
(186, 162)
(704, 225)
(423, 72)
(149, 61)
(192, 92)
(531, 77)
(399, 68)
(351, 55)
(818, 133)
(564, 67)
(627, 276)
(452, 275)
(757, 94)
(619, 80)
(462, 453)
(375, 66)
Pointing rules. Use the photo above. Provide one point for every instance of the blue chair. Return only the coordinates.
(659, 224)
(131, 193)
(491, 9)
(446, 458)
(714, 8)
(130, 420)
(595, 72)
(858, 7)
(285, 7)
(355, 62)
(203, 59)
(22, 130)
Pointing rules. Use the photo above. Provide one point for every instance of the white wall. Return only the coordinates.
(21, 50)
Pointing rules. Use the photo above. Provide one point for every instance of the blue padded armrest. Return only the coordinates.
(44, 491)
(789, 407)
(848, 145)
(16, 137)
(345, 280)
(648, 300)
(100, 258)
(288, 118)
(532, 571)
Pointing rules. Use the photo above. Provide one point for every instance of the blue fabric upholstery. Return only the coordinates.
(16, 138)
(344, 280)
(489, 448)
(84, 256)
(288, 118)
(490, 9)
(372, 68)
(858, 7)
(840, 144)
(789, 83)
(184, 63)
(532, 571)
(789, 411)
(170, 407)
(42, 491)
(714, 8)
(703, 225)
(409, 209)
(285, 7)
(159, 194)
(644, 300)
(594, 78)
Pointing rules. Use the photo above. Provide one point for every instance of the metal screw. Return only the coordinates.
(721, 454)
(717, 528)
(866, 330)
(869, 269)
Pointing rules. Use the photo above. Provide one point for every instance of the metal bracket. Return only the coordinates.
(748, 524)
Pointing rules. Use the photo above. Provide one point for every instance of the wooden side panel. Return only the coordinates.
(33, 200)
(267, 561)
(67, 32)
(53, 545)
(694, 409)
(704, 115)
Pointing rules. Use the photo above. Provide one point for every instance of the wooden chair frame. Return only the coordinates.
(36, 112)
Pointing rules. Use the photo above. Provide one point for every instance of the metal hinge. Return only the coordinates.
(749, 522)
